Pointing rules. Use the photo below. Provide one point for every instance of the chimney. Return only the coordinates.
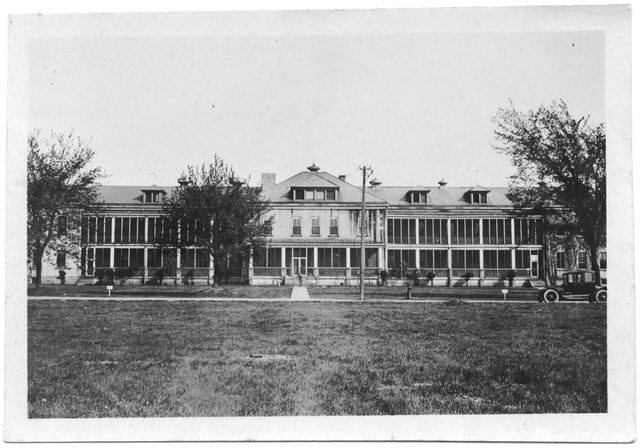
(343, 177)
(313, 168)
(375, 183)
(442, 183)
(268, 181)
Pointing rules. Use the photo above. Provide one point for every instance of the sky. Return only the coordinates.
(415, 107)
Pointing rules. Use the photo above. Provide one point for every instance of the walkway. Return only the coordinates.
(300, 293)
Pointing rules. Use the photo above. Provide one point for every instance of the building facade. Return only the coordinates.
(461, 235)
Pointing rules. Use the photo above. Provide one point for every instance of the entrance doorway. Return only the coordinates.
(299, 266)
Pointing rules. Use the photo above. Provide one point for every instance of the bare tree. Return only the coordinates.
(60, 187)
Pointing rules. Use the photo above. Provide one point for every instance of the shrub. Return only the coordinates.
(467, 276)
(160, 276)
(430, 276)
(100, 274)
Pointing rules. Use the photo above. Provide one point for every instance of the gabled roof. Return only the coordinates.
(315, 182)
(153, 188)
(479, 189)
(348, 193)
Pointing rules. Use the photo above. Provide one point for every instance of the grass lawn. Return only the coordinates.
(160, 291)
(172, 359)
(422, 292)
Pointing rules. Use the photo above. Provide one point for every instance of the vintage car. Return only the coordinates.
(579, 285)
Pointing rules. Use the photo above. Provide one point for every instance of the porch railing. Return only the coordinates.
(260, 271)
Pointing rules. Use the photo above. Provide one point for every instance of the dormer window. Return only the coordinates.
(478, 198)
(152, 196)
(418, 196)
(314, 194)
(478, 195)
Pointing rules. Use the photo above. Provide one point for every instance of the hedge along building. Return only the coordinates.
(451, 231)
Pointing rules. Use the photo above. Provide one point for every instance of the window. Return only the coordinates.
(582, 259)
(465, 259)
(603, 260)
(496, 259)
(125, 258)
(102, 257)
(96, 230)
(561, 261)
(62, 225)
(433, 259)
(465, 231)
(154, 258)
(128, 230)
(418, 197)
(155, 227)
(528, 231)
(300, 194)
(432, 231)
(315, 226)
(333, 226)
(478, 198)
(152, 196)
(335, 257)
(61, 259)
(271, 258)
(401, 231)
(370, 257)
(367, 222)
(399, 258)
(496, 231)
(297, 226)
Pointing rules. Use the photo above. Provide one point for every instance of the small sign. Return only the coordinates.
(504, 291)
(110, 287)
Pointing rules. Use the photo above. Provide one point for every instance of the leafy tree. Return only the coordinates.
(212, 210)
(561, 172)
(60, 187)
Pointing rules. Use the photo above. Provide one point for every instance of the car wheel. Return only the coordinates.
(551, 295)
(601, 296)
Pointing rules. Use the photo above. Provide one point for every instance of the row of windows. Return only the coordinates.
(128, 257)
(315, 226)
(463, 231)
(460, 258)
(300, 194)
(328, 257)
(335, 258)
(582, 260)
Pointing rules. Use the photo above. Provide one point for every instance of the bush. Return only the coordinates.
(430, 276)
(160, 276)
(467, 276)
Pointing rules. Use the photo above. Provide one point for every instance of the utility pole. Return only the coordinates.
(364, 169)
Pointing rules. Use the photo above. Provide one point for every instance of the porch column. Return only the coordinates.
(146, 266)
(348, 269)
(449, 268)
(112, 257)
(481, 264)
(283, 262)
(481, 283)
(316, 271)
